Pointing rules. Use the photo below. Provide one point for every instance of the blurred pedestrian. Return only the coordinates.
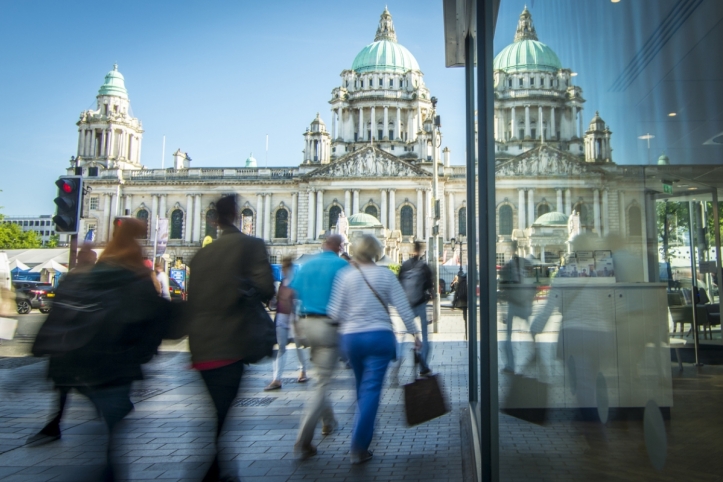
(217, 315)
(101, 350)
(459, 287)
(519, 298)
(163, 282)
(85, 260)
(360, 303)
(285, 322)
(313, 284)
(416, 279)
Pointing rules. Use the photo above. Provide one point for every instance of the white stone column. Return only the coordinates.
(267, 217)
(531, 206)
(333, 124)
(392, 210)
(527, 122)
(127, 209)
(311, 215)
(385, 130)
(138, 156)
(579, 122)
(553, 129)
(108, 221)
(162, 211)
(320, 228)
(420, 215)
(452, 228)
(92, 144)
(540, 123)
(197, 218)
(521, 216)
(558, 207)
(373, 124)
(513, 124)
(622, 214)
(347, 202)
(568, 202)
(596, 210)
(355, 205)
(102, 143)
(294, 215)
(398, 125)
(111, 143)
(384, 208)
(188, 224)
(429, 214)
(259, 215)
(360, 137)
(605, 213)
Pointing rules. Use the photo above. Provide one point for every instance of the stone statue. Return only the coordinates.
(342, 227)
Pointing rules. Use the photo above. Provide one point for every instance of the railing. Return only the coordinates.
(206, 173)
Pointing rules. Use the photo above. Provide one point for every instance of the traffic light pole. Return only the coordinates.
(73, 251)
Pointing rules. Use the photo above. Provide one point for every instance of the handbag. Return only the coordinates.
(424, 399)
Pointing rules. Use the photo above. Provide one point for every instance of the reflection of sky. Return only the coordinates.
(598, 39)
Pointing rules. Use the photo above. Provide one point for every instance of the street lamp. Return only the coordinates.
(459, 242)
(431, 126)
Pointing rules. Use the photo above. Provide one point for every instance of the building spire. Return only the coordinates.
(525, 28)
(385, 31)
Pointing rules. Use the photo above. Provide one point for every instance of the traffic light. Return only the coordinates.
(68, 203)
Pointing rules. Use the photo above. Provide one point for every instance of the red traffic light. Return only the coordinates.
(67, 185)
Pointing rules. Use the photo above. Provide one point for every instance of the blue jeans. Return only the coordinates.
(421, 312)
(369, 354)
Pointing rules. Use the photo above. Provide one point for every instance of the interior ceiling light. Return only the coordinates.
(692, 189)
(672, 114)
(615, 1)
(573, 74)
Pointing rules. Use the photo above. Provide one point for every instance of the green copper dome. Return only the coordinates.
(114, 84)
(526, 53)
(552, 219)
(363, 220)
(663, 160)
(385, 54)
(251, 161)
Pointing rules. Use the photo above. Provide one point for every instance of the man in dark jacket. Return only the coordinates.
(416, 279)
(216, 316)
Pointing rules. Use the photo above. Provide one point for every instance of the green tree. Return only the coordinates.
(53, 241)
(12, 236)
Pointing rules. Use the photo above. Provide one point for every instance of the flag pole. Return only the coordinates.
(155, 241)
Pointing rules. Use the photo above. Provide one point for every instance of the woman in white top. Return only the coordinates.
(359, 303)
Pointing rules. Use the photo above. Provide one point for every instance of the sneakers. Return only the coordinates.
(275, 385)
(49, 433)
(425, 372)
(361, 457)
(329, 429)
(304, 451)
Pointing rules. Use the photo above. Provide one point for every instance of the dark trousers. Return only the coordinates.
(222, 384)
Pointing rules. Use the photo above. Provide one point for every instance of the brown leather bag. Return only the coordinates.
(424, 400)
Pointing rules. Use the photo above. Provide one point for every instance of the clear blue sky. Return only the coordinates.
(213, 77)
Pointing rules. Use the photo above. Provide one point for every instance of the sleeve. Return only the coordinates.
(334, 308)
(261, 272)
(401, 303)
(428, 283)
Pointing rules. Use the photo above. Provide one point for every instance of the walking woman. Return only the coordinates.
(360, 301)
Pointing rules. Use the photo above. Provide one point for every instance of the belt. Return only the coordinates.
(312, 315)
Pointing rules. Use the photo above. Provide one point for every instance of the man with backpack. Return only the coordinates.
(416, 279)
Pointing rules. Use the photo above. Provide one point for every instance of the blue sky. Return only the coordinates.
(213, 77)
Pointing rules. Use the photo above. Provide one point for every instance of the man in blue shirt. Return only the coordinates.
(313, 285)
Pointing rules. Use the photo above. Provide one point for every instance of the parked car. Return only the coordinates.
(176, 290)
(31, 295)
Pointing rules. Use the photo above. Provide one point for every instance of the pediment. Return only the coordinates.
(544, 161)
(369, 162)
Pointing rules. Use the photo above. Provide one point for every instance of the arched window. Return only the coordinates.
(462, 222)
(543, 209)
(406, 216)
(143, 216)
(176, 224)
(372, 210)
(212, 223)
(247, 222)
(282, 224)
(635, 221)
(505, 220)
(334, 213)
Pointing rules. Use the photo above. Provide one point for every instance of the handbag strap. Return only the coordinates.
(386, 308)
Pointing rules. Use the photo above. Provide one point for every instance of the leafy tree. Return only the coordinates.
(12, 236)
(53, 241)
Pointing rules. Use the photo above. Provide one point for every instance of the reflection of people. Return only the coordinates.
(162, 278)
(416, 279)
(519, 298)
(459, 287)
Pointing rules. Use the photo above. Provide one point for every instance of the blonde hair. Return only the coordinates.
(367, 249)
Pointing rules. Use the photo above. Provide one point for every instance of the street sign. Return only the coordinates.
(667, 187)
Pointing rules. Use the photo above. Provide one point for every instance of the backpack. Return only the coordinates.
(413, 281)
(460, 290)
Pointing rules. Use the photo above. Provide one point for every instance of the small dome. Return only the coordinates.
(251, 161)
(363, 220)
(552, 219)
(318, 125)
(114, 84)
(663, 160)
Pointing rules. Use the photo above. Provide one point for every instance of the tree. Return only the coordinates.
(12, 236)
(53, 241)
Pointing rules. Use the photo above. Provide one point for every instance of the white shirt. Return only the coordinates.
(165, 288)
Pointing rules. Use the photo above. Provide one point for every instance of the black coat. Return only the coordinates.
(128, 334)
(215, 314)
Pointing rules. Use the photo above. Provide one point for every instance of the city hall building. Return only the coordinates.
(372, 160)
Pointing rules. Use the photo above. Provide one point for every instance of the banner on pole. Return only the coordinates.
(161, 236)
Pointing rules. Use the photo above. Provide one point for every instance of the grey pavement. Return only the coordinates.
(169, 435)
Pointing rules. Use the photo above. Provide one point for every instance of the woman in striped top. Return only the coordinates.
(359, 302)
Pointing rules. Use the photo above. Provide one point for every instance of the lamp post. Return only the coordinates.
(431, 126)
(459, 242)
